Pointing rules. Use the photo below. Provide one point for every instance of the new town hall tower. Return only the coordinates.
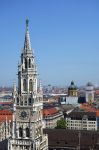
(27, 131)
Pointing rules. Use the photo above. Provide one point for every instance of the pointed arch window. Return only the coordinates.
(27, 132)
(17, 101)
(25, 102)
(20, 132)
(32, 146)
(29, 101)
(21, 102)
(24, 85)
(30, 85)
(25, 63)
(29, 63)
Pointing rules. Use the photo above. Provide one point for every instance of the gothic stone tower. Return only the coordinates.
(27, 132)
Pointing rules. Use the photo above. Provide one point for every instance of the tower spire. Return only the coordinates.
(27, 23)
(27, 43)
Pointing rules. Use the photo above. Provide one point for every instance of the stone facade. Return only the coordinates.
(5, 124)
(27, 131)
(5, 130)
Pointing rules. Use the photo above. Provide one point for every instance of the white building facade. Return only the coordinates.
(90, 93)
(51, 120)
(82, 121)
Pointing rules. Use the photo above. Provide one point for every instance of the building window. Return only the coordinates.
(27, 132)
(29, 101)
(30, 85)
(17, 101)
(29, 63)
(21, 102)
(24, 85)
(20, 132)
(25, 63)
(25, 103)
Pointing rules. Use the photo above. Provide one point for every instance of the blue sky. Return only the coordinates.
(64, 35)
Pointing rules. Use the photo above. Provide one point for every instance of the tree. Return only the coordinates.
(61, 124)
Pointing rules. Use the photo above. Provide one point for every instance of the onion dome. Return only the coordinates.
(89, 84)
(72, 86)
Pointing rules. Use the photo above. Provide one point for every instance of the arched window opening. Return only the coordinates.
(22, 103)
(29, 101)
(30, 85)
(27, 132)
(25, 103)
(29, 63)
(25, 63)
(17, 101)
(20, 132)
(22, 69)
(32, 146)
(24, 85)
(32, 66)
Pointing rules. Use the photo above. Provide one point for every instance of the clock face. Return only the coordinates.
(23, 114)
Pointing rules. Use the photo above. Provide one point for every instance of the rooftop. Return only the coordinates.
(62, 138)
(50, 111)
(5, 115)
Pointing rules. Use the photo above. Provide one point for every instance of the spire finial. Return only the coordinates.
(27, 22)
(27, 44)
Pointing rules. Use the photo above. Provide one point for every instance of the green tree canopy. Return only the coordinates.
(61, 124)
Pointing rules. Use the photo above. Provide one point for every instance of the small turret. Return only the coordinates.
(14, 90)
(14, 87)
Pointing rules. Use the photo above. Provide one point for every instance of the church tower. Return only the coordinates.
(27, 132)
(72, 90)
(89, 93)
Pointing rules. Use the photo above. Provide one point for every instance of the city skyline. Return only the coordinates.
(64, 37)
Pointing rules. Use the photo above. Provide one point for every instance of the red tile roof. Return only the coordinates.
(89, 108)
(97, 113)
(97, 92)
(6, 103)
(5, 114)
(49, 111)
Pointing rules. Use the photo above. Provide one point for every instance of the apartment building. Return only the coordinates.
(51, 116)
(81, 120)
